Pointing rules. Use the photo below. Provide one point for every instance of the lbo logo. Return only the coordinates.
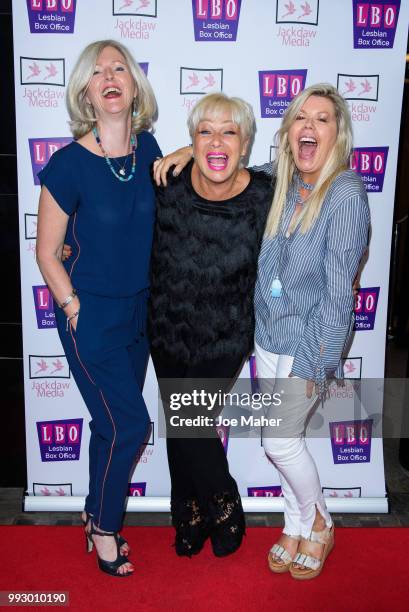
(44, 307)
(370, 163)
(216, 20)
(376, 15)
(60, 440)
(51, 16)
(60, 432)
(41, 149)
(366, 303)
(137, 489)
(351, 441)
(65, 6)
(375, 23)
(278, 88)
(217, 9)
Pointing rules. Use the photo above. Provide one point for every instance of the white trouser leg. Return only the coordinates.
(286, 446)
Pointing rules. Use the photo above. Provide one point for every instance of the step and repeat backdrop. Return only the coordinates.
(265, 51)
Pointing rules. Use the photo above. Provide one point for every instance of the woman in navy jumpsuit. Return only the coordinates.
(97, 195)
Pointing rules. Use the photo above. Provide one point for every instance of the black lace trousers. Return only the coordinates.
(198, 465)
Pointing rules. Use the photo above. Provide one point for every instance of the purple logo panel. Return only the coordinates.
(41, 149)
(375, 23)
(351, 441)
(366, 303)
(44, 307)
(216, 20)
(51, 16)
(255, 386)
(277, 90)
(370, 164)
(60, 440)
(137, 489)
(144, 66)
(273, 491)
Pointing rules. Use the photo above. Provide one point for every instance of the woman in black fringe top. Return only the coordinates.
(209, 226)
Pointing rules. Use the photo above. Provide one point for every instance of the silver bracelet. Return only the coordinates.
(75, 314)
(69, 299)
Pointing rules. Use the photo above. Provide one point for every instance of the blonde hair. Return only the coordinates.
(81, 113)
(337, 161)
(214, 104)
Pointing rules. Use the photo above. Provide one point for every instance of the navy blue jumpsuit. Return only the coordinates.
(110, 229)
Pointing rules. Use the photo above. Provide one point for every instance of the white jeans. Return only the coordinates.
(285, 446)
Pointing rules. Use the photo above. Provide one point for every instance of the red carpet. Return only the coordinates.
(367, 571)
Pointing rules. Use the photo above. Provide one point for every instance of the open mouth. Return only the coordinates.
(217, 161)
(111, 92)
(307, 147)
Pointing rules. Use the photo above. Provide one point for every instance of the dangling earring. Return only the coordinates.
(134, 109)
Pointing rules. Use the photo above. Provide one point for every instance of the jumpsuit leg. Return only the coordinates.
(109, 386)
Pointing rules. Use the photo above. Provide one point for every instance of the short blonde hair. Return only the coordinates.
(81, 113)
(214, 104)
(337, 162)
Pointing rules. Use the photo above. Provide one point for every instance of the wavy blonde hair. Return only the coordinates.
(81, 114)
(337, 161)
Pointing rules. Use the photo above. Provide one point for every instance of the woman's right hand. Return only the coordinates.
(74, 307)
(179, 158)
(74, 322)
(66, 252)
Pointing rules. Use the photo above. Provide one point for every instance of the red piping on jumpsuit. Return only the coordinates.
(89, 377)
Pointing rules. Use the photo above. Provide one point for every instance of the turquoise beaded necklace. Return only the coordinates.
(121, 176)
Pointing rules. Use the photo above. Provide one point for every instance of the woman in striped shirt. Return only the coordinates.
(315, 237)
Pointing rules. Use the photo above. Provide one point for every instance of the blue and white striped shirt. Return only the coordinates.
(313, 317)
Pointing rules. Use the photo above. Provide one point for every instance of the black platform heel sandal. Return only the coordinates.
(228, 524)
(192, 528)
(89, 545)
(109, 567)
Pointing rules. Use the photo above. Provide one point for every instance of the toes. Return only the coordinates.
(126, 568)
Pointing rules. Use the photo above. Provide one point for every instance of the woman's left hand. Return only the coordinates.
(310, 388)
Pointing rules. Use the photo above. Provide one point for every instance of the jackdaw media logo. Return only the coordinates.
(200, 81)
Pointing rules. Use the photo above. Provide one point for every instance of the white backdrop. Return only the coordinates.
(264, 51)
